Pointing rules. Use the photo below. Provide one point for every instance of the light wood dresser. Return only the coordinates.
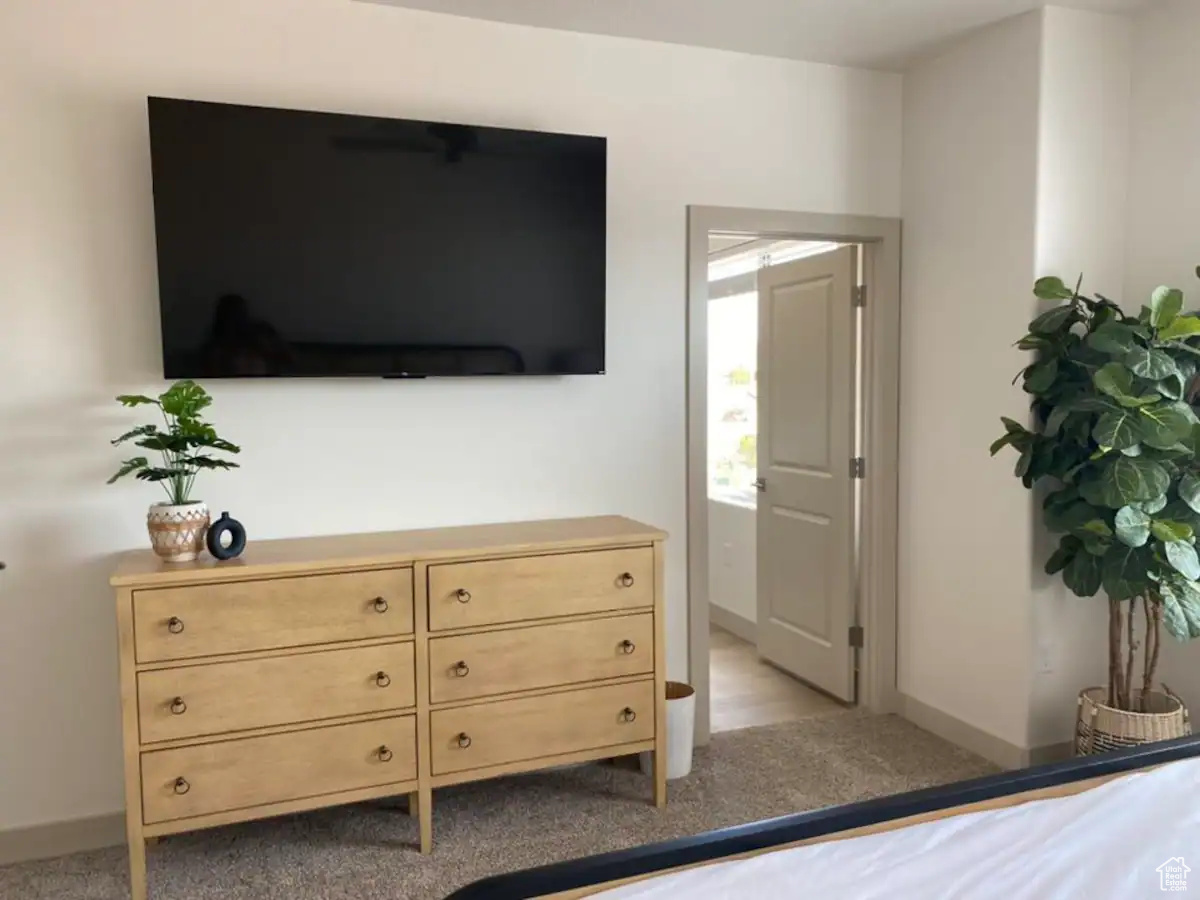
(320, 671)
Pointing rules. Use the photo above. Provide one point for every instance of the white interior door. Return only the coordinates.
(806, 425)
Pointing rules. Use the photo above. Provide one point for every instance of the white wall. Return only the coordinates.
(1083, 148)
(1083, 160)
(1016, 166)
(80, 320)
(966, 554)
(732, 559)
(1164, 208)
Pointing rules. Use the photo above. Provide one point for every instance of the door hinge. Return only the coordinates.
(856, 637)
(860, 296)
(858, 467)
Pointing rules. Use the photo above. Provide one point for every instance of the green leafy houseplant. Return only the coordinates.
(181, 441)
(1116, 441)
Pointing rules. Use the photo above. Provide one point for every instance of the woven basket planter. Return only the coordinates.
(1101, 728)
(177, 532)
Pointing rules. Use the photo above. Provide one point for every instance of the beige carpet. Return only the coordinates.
(367, 852)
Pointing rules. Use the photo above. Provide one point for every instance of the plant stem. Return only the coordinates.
(1147, 608)
(1152, 666)
(171, 485)
(1132, 648)
(1114, 653)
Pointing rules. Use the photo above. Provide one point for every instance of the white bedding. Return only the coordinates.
(1104, 843)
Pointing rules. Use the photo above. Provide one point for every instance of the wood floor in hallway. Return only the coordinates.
(747, 692)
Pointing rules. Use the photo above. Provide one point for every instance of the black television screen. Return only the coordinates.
(303, 243)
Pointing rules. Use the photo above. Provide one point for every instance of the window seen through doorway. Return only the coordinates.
(733, 358)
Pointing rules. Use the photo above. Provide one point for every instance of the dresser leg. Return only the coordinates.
(425, 814)
(137, 865)
(660, 775)
(414, 804)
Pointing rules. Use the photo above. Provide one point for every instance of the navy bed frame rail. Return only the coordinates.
(712, 846)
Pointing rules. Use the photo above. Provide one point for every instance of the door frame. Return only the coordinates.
(880, 240)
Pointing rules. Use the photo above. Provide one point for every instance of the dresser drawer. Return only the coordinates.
(537, 656)
(508, 731)
(234, 696)
(231, 617)
(210, 778)
(538, 587)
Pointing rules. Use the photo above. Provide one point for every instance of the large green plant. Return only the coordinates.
(1114, 438)
(181, 442)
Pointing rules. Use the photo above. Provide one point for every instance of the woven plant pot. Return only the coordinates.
(1101, 728)
(177, 532)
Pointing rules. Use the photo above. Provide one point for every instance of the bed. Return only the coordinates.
(1117, 825)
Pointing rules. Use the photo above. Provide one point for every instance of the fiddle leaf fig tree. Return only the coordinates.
(1114, 440)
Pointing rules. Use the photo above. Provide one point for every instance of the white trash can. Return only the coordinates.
(681, 727)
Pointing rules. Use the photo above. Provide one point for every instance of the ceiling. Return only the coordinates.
(881, 34)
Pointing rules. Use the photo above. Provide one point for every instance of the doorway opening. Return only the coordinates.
(761, 670)
(823, 457)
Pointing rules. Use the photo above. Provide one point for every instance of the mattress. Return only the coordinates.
(1126, 839)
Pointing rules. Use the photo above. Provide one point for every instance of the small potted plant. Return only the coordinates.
(1115, 443)
(178, 526)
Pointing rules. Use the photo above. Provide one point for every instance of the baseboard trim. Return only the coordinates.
(962, 734)
(1049, 753)
(980, 742)
(61, 838)
(733, 623)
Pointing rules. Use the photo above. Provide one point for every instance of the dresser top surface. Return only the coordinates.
(141, 568)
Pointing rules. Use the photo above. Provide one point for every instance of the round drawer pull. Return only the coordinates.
(628, 715)
(463, 595)
(381, 605)
(626, 579)
(627, 647)
(385, 755)
(174, 625)
(382, 679)
(461, 670)
(464, 740)
(181, 786)
(178, 707)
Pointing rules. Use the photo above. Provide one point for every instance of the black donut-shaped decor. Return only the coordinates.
(216, 534)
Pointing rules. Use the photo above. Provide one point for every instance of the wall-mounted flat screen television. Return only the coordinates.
(316, 244)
